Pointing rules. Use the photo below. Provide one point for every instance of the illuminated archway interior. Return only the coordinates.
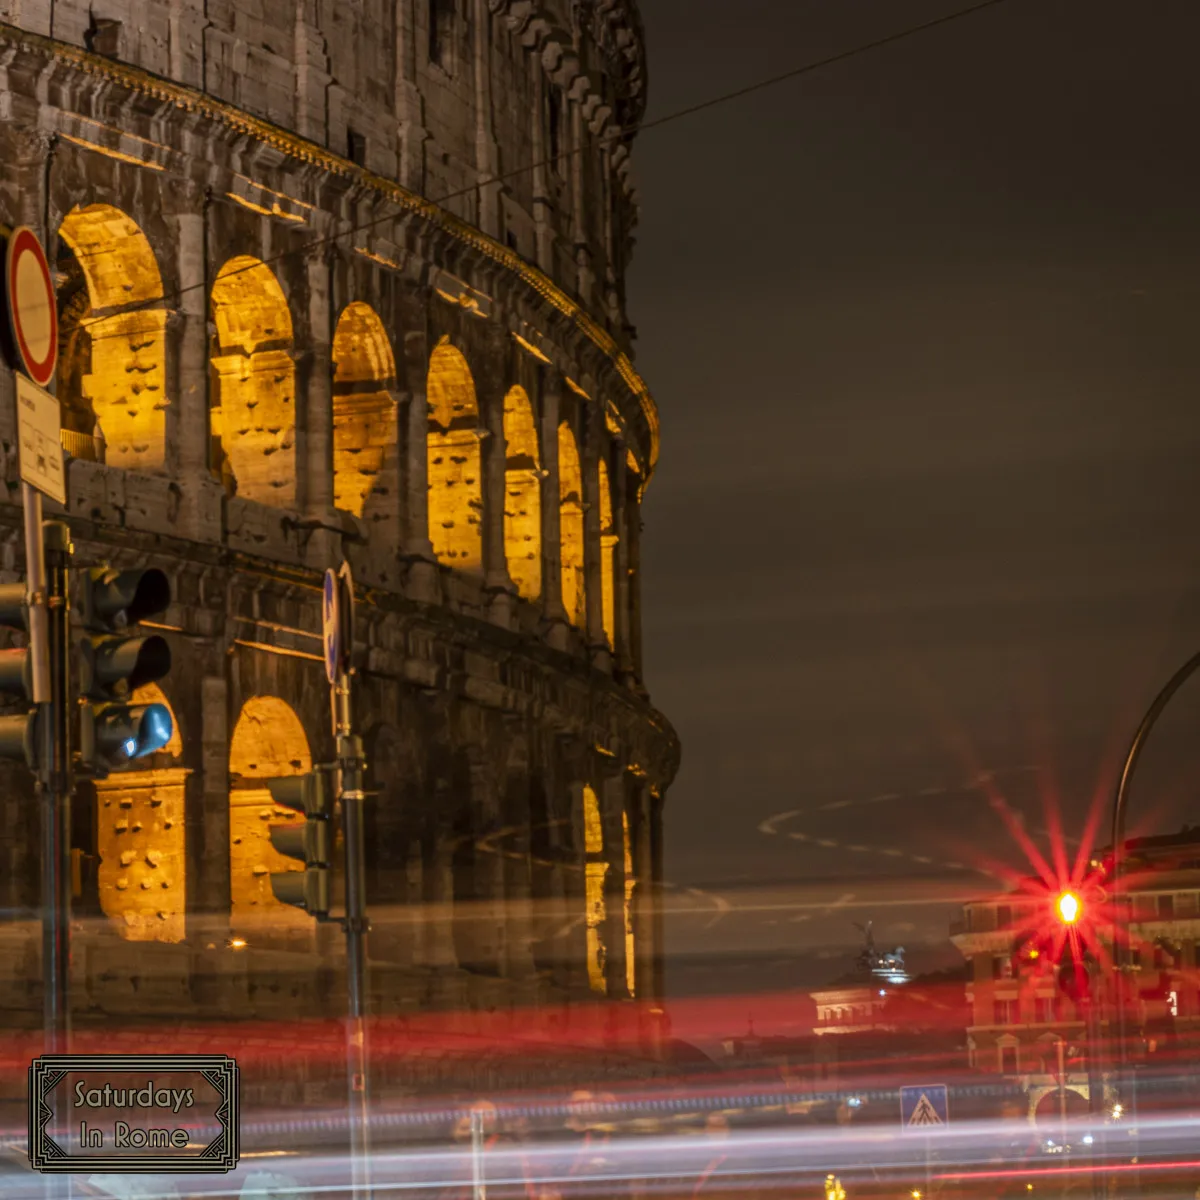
(254, 406)
(570, 521)
(141, 841)
(112, 340)
(364, 410)
(522, 495)
(596, 870)
(608, 554)
(268, 741)
(455, 486)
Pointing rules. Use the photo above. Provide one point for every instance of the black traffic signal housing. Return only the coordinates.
(18, 731)
(309, 841)
(113, 664)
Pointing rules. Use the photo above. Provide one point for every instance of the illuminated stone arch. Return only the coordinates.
(254, 406)
(140, 837)
(455, 487)
(596, 872)
(364, 408)
(608, 556)
(522, 495)
(268, 741)
(112, 340)
(570, 524)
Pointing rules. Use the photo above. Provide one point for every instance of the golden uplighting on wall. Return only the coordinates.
(111, 366)
(608, 556)
(267, 741)
(630, 885)
(141, 842)
(254, 407)
(570, 523)
(596, 873)
(530, 348)
(522, 495)
(364, 410)
(455, 461)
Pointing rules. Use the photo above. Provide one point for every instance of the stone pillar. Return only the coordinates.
(438, 875)
(487, 153)
(612, 810)
(410, 107)
(315, 384)
(490, 394)
(621, 591)
(543, 201)
(188, 424)
(658, 947)
(422, 582)
(589, 455)
(208, 899)
(553, 613)
(573, 942)
(633, 536)
(585, 275)
(491, 915)
(644, 887)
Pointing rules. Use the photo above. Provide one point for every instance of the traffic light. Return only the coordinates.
(18, 731)
(112, 665)
(308, 841)
(1068, 907)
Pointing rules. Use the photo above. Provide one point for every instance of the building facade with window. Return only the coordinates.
(1026, 1024)
(346, 283)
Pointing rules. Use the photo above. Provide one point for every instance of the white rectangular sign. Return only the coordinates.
(39, 425)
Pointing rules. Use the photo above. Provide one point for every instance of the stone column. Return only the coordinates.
(490, 394)
(656, 887)
(208, 826)
(491, 915)
(315, 454)
(487, 153)
(589, 455)
(621, 590)
(422, 581)
(410, 107)
(584, 273)
(644, 889)
(553, 613)
(188, 424)
(573, 944)
(633, 535)
(611, 787)
(518, 868)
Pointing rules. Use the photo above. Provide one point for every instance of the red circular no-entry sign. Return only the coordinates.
(32, 306)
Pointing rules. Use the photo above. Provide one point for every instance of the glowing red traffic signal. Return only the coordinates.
(1068, 908)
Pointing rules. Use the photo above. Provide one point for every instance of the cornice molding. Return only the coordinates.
(301, 149)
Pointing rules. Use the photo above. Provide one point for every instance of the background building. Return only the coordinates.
(348, 282)
(1025, 1025)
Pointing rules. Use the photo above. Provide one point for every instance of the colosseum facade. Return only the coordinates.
(346, 282)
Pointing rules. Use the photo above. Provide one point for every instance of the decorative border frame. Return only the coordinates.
(218, 1157)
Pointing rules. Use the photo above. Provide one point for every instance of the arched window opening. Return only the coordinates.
(570, 523)
(141, 844)
(596, 870)
(608, 556)
(364, 410)
(254, 404)
(630, 885)
(268, 741)
(112, 341)
(455, 488)
(522, 495)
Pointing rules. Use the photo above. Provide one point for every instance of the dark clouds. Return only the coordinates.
(922, 330)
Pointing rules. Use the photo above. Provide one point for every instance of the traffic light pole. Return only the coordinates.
(54, 761)
(352, 796)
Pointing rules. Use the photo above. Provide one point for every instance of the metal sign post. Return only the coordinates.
(338, 633)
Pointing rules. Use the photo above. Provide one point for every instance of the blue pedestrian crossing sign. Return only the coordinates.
(924, 1107)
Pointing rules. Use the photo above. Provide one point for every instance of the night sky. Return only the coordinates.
(922, 329)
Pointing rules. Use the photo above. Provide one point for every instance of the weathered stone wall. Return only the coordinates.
(260, 385)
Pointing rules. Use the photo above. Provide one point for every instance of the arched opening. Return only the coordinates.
(522, 495)
(570, 524)
(608, 556)
(364, 410)
(141, 842)
(112, 341)
(268, 741)
(455, 487)
(254, 399)
(596, 872)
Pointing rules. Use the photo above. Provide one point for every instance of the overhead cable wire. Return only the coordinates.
(622, 134)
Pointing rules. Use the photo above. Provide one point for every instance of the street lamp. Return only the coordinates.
(1068, 908)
